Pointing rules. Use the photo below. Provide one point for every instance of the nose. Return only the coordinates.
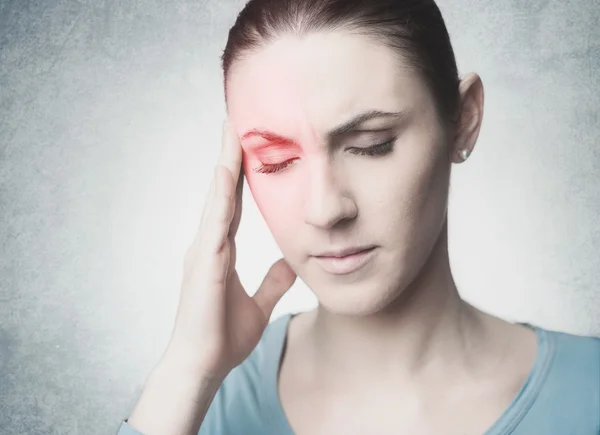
(326, 201)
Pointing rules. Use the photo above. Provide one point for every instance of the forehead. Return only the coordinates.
(307, 84)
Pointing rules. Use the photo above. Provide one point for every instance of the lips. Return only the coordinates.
(345, 261)
(340, 253)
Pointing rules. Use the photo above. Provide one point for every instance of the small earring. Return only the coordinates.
(464, 154)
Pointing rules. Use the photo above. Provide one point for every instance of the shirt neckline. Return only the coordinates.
(504, 425)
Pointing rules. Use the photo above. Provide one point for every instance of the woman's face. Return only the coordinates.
(320, 187)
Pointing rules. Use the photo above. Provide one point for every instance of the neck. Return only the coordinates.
(427, 324)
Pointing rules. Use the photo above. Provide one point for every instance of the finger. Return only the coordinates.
(278, 280)
(221, 212)
(231, 151)
(210, 196)
(237, 212)
(230, 157)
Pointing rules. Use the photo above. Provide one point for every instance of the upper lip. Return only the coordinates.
(342, 252)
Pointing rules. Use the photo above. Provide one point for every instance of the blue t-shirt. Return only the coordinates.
(561, 395)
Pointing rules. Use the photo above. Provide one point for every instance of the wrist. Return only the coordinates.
(181, 361)
(182, 376)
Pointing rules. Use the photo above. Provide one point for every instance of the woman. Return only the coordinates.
(346, 117)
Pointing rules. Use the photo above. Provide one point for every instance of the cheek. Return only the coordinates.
(405, 196)
(279, 202)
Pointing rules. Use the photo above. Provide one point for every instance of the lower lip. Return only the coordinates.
(347, 264)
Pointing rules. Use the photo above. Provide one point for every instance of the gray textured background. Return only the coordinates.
(110, 116)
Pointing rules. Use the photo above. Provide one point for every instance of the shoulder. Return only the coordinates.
(572, 385)
(242, 403)
(576, 357)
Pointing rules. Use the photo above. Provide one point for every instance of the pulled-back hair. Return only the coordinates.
(414, 29)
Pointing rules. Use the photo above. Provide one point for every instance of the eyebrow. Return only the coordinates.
(345, 128)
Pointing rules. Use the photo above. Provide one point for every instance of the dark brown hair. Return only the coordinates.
(414, 29)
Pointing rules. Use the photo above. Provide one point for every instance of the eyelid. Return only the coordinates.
(376, 144)
(268, 168)
(274, 154)
(379, 144)
(275, 160)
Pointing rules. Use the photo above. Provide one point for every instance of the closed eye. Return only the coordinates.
(375, 150)
(276, 167)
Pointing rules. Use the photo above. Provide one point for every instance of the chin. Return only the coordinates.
(352, 305)
(357, 296)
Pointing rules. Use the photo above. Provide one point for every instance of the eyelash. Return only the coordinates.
(375, 150)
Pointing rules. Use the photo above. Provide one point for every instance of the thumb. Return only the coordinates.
(278, 280)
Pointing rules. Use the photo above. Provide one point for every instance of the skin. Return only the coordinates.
(395, 331)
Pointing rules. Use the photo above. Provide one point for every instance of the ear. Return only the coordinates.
(470, 116)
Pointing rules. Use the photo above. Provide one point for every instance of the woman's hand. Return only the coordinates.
(218, 324)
